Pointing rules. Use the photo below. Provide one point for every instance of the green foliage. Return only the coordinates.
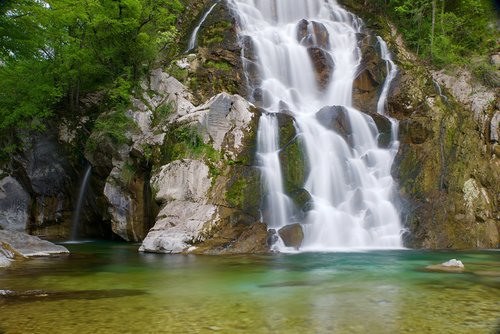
(461, 29)
(54, 52)
(222, 65)
(114, 126)
(162, 113)
(186, 142)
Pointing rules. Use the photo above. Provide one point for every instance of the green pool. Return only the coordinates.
(110, 288)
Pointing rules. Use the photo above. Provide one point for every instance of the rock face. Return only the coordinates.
(36, 188)
(447, 169)
(22, 244)
(14, 205)
(204, 199)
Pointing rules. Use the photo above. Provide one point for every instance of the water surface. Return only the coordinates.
(110, 288)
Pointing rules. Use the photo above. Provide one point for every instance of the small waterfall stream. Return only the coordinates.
(80, 200)
(194, 34)
(348, 179)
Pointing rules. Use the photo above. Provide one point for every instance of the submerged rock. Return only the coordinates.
(292, 235)
(452, 265)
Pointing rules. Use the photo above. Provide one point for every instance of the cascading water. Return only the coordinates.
(348, 179)
(80, 200)
(194, 34)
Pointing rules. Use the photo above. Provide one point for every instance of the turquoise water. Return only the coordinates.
(111, 288)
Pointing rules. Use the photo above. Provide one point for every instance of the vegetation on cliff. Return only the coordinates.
(53, 53)
(447, 32)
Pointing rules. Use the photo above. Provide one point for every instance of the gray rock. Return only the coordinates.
(495, 127)
(120, 207)
(28, 245)
(14, 205)
(182, 180)
(466, 91)
(169, 90)
(6, 257)
(178, 224)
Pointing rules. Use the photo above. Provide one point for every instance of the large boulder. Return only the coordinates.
(313, 34)
(14, 205)
(178, 226)
(336, 118)
(292, 235)
(26, 245)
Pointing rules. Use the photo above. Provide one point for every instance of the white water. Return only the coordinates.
(194, 34)
(351, 185)
(80, 200)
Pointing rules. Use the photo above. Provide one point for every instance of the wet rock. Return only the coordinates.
(323, 65)
(28, 245)
(272, 238)
(128, 204)
(336, 118)
(230, 238)
(292, 235)
(313, 34)
(302, 199)
(384, 129)
(286, 128)
(294, 165)
(14, 205)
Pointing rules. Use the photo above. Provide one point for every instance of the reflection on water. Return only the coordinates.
(110, 288)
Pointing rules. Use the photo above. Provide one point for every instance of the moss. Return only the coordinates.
(115, 126)
(185, 142)
(293, 164)
(128, 173)
(243, 190)
(235, 194)
(220, 65)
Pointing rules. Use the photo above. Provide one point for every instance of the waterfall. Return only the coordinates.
(348, 177)
(81, 198)
(392, 70)
(194, 34)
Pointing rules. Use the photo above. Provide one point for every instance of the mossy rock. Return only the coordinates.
(286, 128)
(293, 165)
(244, 191)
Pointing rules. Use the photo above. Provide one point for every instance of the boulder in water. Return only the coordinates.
(336, 118)
(313, 34)
(323, 65)
(292, 235)
(25, 245)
